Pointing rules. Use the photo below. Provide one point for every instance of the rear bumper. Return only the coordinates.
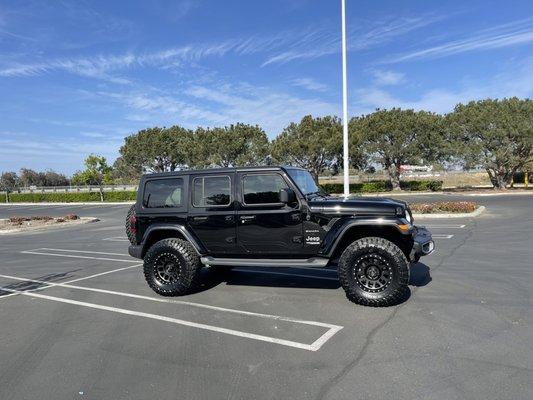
(135, 251)
(423, 243)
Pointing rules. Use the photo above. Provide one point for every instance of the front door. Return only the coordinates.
(212, 212)
(265, 226)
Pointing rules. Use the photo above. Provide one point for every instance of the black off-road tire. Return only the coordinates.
(172, 267)
(374, 272)
(130, 220)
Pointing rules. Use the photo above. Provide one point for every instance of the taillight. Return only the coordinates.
(133, 224)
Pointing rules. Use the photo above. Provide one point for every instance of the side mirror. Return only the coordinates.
(287, 196)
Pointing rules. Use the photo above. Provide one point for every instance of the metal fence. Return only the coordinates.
(74, 189)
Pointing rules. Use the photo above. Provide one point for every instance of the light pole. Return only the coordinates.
(345, 106)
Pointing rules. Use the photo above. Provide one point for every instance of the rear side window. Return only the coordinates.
(163, 193)
(262, 189)
(212, 191)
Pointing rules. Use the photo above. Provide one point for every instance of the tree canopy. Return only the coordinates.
(313, 143)
(395, 137)
(496, 135)
(96, 172)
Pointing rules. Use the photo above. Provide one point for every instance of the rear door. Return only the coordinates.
(212, 211)
(265, 226)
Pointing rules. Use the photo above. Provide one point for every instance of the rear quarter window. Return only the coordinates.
(163, 193)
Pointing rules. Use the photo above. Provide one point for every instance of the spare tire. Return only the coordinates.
(131, 230)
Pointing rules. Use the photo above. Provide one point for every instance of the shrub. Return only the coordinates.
(120, 196)
(71, 217)
(383, 186)
(71, 197)
(444, 207)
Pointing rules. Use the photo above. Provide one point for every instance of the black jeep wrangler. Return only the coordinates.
(275, 217)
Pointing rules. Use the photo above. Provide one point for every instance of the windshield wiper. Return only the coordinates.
(317, 193)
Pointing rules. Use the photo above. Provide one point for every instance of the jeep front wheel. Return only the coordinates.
(171, 267)
(374, 272)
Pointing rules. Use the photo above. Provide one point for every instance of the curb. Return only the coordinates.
(81, 221)
(399, 194)
(89, 203)
(475, 213)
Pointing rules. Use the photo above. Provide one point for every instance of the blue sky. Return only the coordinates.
(78, 76)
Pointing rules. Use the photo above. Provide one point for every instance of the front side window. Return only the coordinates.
(262, 189)
(163, 193)
(212, 191)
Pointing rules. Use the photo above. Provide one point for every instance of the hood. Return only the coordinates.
(357, 205)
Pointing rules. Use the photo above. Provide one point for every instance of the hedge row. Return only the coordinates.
(444, 207)
(383, 186)
(72, 197)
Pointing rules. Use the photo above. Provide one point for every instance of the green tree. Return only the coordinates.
(314, 144)
(125, 173)
(96, 172)
(496, 135)
(9, 181)
(157, 149)
(395, 137)
(229, 146)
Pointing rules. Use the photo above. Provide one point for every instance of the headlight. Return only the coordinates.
(408, 216)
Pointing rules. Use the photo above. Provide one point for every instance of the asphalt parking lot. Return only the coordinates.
(77, 320)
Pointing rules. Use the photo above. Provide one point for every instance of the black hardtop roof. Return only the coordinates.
(219, 170)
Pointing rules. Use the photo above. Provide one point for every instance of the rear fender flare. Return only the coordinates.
(198, 247)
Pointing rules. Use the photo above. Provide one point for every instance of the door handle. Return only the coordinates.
(246, 218)
(199, 219)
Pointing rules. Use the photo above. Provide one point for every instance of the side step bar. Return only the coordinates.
(265, 262)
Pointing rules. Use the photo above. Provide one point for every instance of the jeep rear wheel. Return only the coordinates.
(374, 272)
(171, 267)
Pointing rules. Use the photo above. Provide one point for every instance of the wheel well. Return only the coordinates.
(386, 232)
(161, 234)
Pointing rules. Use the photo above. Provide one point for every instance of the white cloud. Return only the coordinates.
(309, 84)
(366, 35)
(517, 81)
(511, 34)
(383, 77)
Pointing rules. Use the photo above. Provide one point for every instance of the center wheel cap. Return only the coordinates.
(372, 272)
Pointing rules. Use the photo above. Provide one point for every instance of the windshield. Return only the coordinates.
(304, 181)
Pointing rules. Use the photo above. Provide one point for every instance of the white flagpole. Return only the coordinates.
(345, 105)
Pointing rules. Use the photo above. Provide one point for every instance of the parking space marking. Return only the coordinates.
(116, 239)
(316, 345)
(74, 256)
(442, 236)
(462, 226)
(49, 284)
(82, 251)
(284, 273)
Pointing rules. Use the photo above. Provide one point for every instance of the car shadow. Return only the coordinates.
(24, 286)
(267, 277)
(420, 275)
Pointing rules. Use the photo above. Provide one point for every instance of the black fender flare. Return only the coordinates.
(189, 236)
(337, 232)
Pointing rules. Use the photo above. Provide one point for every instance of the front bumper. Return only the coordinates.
(423, 243)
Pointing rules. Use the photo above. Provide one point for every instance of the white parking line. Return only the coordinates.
(49, 284)
(316, 345)
(446, 226)
(82, 251)
(74, 256)
(442, 236)
(116, 239)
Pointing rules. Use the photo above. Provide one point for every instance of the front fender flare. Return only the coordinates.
(337, 232)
